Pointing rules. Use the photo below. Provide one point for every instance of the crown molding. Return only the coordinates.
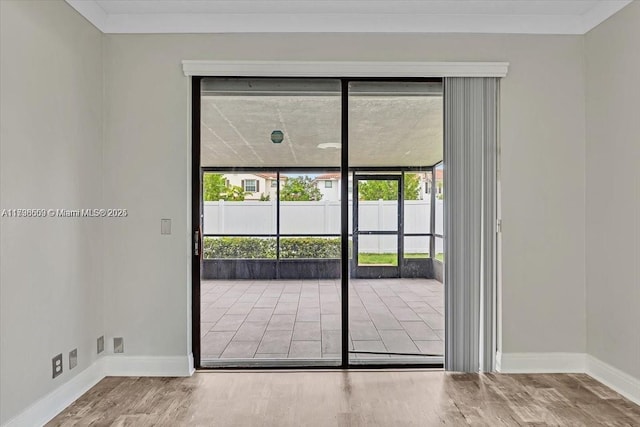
(92, 11)
(600, 13)
(244, 21)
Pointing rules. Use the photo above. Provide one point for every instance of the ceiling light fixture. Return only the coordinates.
(326, 145)
(277, 136)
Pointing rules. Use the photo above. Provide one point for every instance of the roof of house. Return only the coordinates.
(267, 175)
(328, 176)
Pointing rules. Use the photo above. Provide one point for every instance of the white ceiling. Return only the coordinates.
(395, 16)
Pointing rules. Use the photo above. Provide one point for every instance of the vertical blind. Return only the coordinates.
(470, 153)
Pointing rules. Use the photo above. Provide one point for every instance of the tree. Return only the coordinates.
(388, 189)
(214, 186)
(300, 189)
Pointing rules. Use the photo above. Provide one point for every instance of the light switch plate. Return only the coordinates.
(73, 358)
(100, 344)
(165, 226)
(118, 345)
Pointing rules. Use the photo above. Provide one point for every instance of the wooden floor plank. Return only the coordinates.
(351, 398)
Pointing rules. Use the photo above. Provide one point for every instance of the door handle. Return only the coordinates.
(197, 243)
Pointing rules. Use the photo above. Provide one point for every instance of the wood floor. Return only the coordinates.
(351, 398)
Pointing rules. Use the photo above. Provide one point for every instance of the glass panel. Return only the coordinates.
(378, 205)
(417, 202)
(307, 207)
(378, 250)
(416, 246)
(270, 122)
(258, 297)
(229, 208)
(439, 249)
(393, 126)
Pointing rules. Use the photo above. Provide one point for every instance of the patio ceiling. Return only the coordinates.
(397, 124)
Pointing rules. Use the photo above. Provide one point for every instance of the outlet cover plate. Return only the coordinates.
(165, 226)
(56, 365)
(100, 345)
(118, 345)
(73, 358)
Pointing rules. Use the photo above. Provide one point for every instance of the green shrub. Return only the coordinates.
(309, 247)
(239, 247)
(265, 248)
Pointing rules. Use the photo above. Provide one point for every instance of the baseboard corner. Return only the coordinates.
(47, 407)
(623, 383)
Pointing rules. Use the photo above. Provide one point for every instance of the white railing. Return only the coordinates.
(323, 217)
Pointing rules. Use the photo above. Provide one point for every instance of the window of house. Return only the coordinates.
(328, 184)
(274, 183)
(251, 185)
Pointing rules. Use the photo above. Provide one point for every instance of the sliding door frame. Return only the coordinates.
(345, 170)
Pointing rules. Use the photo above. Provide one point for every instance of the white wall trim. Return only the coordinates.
(148, 366)
(614, 378)
(601, 12)
(343, 69)
(192, 365)
(44, 409)
(535, 363)
(498, 360)
(92, 11)
(381, 17)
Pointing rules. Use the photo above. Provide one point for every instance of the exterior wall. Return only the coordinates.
(332, 193)
(237, 180)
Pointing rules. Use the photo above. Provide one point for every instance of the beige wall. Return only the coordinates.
(50, 157)
(65, 144)
(613, 190)
(147, 161)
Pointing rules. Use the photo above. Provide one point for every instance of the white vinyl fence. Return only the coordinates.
(323, 217)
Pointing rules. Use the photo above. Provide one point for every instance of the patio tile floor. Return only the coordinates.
(300, 319)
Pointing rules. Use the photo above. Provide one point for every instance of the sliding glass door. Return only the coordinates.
(314, 212)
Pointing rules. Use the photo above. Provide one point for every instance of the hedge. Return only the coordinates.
(265, 248)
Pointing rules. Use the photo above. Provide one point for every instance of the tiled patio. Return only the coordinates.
(300, 319)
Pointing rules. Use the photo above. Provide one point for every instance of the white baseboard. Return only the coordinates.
(192, 364)
(44, 409)
(148, 366)
(535, 363)
(614, 378)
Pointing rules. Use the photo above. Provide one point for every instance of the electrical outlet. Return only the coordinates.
(100, 344)
(56, 365)
(118, 345)
(73, 358)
